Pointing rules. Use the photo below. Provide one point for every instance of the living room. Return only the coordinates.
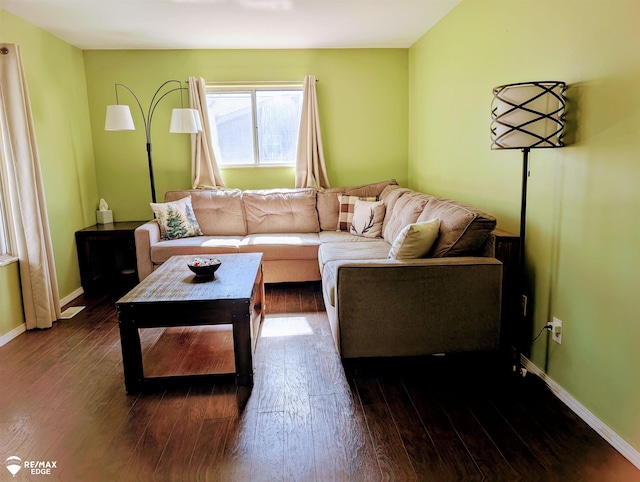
(421, 115)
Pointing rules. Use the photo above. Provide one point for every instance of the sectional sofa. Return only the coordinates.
(446, 301)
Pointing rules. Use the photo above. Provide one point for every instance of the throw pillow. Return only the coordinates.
(176, 219)
(367, 219)
(345, 212)
(415, 240)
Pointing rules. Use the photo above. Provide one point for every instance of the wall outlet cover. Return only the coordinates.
(556, 330)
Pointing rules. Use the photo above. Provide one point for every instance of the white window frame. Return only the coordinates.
(4, 241)
(253, 88)
(5, 244)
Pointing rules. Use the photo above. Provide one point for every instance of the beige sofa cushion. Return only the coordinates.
(463, 229)
(391, 194)
(401, 211)
(343, 237)
(370, 190)
(374, 249)
(219, 211)
(163, 250)
(281, 211)
(328, 204)
(328, 207)
(282, 245)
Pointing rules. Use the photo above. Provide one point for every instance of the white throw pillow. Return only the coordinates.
(367, 219)
(415, 240)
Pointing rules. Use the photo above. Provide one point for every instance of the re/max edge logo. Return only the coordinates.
(35, 467)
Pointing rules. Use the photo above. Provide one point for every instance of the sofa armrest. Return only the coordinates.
(146, 236)
(418, 307)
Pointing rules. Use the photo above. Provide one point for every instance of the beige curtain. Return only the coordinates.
(310, 167)
(204, 168)
(22, 188)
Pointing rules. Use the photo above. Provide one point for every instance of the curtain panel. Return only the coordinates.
(23, 191)
(204, 167)
(310, 166)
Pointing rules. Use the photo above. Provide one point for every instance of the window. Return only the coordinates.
(255, 126)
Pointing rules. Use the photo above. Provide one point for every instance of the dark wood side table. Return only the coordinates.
(512, 329)
(107, 257)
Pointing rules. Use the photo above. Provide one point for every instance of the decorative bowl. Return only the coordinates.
(204, 267)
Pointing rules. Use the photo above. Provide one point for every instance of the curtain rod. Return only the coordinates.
(249, 82)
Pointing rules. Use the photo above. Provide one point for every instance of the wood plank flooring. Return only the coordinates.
(448, 418)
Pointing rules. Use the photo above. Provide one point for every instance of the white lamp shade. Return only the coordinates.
(528, 115)
(183, 121)
(119, 118)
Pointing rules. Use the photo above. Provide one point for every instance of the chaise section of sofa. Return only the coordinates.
(446, 302)
(415, 307)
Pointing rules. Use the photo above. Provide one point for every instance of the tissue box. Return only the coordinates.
(104, 217)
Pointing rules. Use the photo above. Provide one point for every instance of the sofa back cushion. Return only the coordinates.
(218, 211)
(463, 229)
(391, 194)
(329, 205)
(403, 208)
(281, 211)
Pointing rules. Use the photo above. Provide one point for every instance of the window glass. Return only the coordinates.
(255, 126)
(278, 123)
(231, 114)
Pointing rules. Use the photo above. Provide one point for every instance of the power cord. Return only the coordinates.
(548, 327)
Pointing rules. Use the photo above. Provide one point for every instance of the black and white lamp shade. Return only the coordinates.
(528, 115)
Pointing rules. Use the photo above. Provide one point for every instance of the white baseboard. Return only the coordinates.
(72, 296)
(7, 337)
(617, 442)
(19, 330)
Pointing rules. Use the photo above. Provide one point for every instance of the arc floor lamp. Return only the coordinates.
(525, 116)
(183, 120)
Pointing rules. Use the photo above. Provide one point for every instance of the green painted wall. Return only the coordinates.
(363, 103)
(421, 116)
(57, 89)
(11, 315)
(583, 232)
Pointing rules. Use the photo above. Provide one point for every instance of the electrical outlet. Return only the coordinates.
(556, 330)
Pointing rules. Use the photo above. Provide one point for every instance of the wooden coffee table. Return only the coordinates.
(171, 296)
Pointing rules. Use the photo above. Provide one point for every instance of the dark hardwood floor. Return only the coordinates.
(454, 418)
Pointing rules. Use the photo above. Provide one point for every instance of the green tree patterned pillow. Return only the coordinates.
(176, 219)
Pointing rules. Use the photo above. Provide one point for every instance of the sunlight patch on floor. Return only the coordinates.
(286, 325)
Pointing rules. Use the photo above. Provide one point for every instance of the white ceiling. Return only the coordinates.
(233, 24)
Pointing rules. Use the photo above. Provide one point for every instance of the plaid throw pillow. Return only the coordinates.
(345, 212)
